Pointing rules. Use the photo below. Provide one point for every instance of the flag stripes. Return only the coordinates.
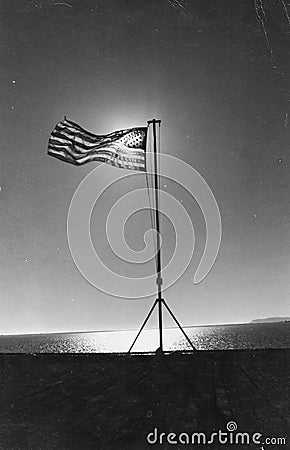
(124, 148)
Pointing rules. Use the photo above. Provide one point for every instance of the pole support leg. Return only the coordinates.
(182, 330)
(143, 325)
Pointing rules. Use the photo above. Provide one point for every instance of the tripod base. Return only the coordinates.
(159, 303)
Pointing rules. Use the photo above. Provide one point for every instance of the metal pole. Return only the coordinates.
(182, 330)
(143, 325)
(156, 188)
(159, 299)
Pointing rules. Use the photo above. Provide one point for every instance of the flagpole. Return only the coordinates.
(158, 256)
(159, 300)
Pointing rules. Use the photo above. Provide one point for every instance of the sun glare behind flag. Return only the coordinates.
(123, 148)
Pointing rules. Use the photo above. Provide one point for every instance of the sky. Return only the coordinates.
(217, 75)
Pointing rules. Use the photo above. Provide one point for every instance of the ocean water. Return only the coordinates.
(243, 336)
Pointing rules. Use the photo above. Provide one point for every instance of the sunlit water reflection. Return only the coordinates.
(266, 335)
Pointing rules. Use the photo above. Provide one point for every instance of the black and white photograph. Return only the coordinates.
(145, 224)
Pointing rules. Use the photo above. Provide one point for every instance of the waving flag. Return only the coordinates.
(124, 148)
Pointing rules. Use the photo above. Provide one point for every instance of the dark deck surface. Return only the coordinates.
(99, 401)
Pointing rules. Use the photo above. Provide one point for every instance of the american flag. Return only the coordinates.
(124, 148)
